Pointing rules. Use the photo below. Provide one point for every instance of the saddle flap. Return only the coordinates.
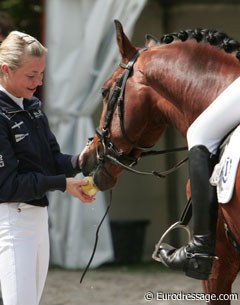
(224, 173)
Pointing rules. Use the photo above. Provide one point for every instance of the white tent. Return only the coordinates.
(80, 36)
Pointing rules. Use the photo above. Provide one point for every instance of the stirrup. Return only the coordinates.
(156, 254)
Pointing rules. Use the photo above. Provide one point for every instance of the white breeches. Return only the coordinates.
(217, 120)
(24, 252)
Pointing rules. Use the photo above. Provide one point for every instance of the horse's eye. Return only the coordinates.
(104, 92)
(89, 141)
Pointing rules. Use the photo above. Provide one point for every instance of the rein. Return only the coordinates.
(96, 240)
(162, 174)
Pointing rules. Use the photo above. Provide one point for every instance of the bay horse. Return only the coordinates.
(170, 81)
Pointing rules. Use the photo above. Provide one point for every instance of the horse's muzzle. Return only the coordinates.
(90, 166)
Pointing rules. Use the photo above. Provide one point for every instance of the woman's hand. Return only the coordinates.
(73, 187)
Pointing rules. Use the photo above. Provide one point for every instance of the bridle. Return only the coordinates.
(116, 98)
(110, 151)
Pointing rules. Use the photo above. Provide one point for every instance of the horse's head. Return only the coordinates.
(127, 123)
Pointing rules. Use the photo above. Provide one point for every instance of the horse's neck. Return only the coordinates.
(189, 76)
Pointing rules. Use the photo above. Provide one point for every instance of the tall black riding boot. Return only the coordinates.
(196, 258)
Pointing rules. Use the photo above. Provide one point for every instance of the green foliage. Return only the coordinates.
(26, 14)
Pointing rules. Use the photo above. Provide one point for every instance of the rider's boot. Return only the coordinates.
(196, 258)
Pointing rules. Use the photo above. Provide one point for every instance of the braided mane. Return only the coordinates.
(213, 37)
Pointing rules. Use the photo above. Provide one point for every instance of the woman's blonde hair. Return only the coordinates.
(16, 46)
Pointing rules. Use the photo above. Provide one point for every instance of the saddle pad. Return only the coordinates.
(224, 173)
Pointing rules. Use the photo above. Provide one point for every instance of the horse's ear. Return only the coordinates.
(126, 49)
(151, 41)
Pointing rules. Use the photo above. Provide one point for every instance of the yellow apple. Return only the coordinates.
(90, 188)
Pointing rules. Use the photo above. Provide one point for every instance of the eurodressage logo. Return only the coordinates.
(226, 169)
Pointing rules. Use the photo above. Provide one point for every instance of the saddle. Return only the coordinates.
(224, 173)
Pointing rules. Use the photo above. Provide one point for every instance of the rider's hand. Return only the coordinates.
(73, 187)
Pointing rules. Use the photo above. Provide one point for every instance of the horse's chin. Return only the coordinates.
(103, 180)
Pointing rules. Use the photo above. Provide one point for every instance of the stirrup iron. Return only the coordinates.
(179, 224)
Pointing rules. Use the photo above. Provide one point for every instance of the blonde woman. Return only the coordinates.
(31, 164)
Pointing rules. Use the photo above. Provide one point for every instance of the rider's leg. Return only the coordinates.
(204, 136)
(196, 258)
(220, 117)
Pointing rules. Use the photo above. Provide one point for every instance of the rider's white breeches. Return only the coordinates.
(217, 120)
(24, 252)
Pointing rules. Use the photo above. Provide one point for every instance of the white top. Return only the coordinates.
(17, 100)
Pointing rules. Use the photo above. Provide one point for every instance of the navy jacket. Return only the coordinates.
(31, 163)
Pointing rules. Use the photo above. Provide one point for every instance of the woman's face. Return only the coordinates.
(24, 81)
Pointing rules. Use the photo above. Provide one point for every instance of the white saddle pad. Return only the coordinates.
(224, 173)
